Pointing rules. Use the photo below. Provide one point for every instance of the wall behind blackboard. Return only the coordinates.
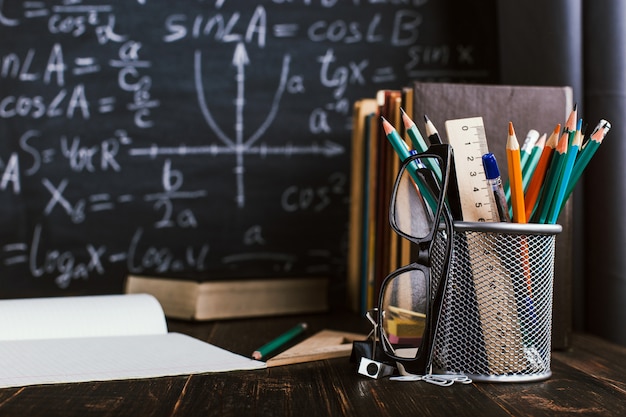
(202, 139)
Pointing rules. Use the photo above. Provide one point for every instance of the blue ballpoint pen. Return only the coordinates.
(495, 182)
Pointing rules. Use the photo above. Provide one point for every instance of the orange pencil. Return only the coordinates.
(515, 176)
(534, 187)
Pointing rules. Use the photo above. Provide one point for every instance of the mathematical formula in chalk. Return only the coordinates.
(198, 139)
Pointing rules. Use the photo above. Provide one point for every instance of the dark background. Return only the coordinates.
(167, 158)
(90, 249)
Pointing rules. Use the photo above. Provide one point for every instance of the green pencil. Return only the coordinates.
(401, 148)
(527, 148)
(552, 178)
(533, 159)
(557, 166)
(280, 341)
(529, 144)
(585, 154)
(418, 142)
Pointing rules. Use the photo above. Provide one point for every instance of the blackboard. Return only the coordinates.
(200, 139)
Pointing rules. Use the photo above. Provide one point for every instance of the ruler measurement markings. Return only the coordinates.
(468, 139)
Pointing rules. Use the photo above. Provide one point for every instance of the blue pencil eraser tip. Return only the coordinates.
(491, 166)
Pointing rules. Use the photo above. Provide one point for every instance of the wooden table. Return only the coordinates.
(589, 380)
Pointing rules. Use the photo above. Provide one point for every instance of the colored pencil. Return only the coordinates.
(531, 163)
(585, 154)
(557, 167)
(399, 145)
(529, 144)
(279, 342)
(570, 125)
(402, 150)
(552, 178)
(515, 176)
(572, 152)
(417, 140)
(539, 174)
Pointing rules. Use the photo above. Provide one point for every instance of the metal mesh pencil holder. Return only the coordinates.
(496, 318)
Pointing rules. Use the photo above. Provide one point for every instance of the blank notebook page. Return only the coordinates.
(80, 339)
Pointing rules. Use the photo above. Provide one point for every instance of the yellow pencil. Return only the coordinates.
(515, 176)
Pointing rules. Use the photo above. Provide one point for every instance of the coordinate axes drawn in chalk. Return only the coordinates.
(240, 145)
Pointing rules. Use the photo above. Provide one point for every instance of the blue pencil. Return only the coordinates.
(559, 200)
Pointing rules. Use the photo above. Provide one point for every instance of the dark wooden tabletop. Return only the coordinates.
(589, 379)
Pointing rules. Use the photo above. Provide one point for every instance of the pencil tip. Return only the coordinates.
(561, 146)
(426, 119)
(406, 120)
(387, 127)
(541, 142)
(570, 124)
(511, 130)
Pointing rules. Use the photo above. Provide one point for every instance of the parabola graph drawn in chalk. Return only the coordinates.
(240, 145)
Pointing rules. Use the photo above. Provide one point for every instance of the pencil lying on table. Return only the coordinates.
(279, 342)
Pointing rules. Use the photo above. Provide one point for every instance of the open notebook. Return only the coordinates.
(98, 338)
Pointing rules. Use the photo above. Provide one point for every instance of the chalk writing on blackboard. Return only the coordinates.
(199, 139)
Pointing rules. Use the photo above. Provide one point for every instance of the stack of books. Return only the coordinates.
(374, 249)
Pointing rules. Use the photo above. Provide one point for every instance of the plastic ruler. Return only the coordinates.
(467, 138)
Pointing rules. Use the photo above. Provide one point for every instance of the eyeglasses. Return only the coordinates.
(411, 296)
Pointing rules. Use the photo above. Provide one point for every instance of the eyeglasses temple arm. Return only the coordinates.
(453, 197)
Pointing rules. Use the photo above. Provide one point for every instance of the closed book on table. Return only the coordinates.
(228, 299)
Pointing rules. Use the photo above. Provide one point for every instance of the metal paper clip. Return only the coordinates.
(371, 367)
(443, 380)
(374, 331)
